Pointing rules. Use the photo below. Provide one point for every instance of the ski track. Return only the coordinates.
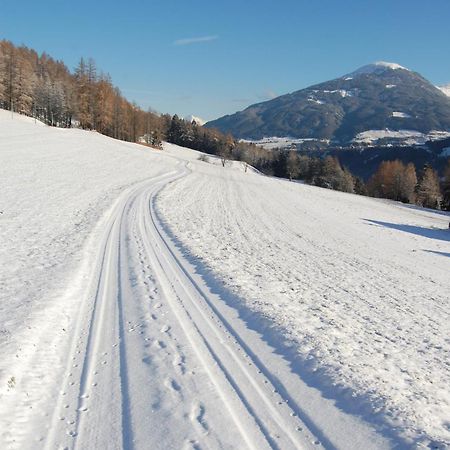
(153, 363)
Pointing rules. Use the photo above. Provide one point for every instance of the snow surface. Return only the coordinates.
(110, 337)
(282, 142)
(445, 153)
(357, 287)
(407, 137)
(41, 233)
(342, 92)
(445, 89)
(315, 100)
(400, 114)
(152, 300)
(377, 67)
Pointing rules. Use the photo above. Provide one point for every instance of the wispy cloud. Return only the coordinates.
(195, 40)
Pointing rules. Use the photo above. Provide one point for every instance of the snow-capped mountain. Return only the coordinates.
(198, 120)
(445, 89)
(377, 97)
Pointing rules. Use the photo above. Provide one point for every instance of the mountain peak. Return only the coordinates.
(378, 67)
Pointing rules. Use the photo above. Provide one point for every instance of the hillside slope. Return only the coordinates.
(357, 288)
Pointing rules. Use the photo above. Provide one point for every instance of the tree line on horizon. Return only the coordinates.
(44, 88)
(392, 180)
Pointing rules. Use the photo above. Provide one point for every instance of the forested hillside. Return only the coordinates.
(42, 87)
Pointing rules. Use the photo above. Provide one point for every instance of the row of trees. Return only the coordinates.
(327, 172)
(398, 181)
(39, 86)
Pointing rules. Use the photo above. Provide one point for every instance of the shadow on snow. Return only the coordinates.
(438, 253)
(430, 233)
(313, 376)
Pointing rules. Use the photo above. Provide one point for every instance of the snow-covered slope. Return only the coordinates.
(377, 67)
(358, 288)
(55, 186)
(152, 300)
(445, 89)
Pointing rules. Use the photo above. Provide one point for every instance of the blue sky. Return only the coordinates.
(211, 58)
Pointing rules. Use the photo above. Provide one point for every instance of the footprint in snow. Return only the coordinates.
(198, 415)
(172, 385)
(179, 362)
(165, 329)
(191, 445)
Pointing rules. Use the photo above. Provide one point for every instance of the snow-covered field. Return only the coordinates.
(369, 137)
(359, 287)
(404, 137)
(282, 142)
(151, 300)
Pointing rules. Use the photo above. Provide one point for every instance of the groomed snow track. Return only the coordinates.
(101, 404)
